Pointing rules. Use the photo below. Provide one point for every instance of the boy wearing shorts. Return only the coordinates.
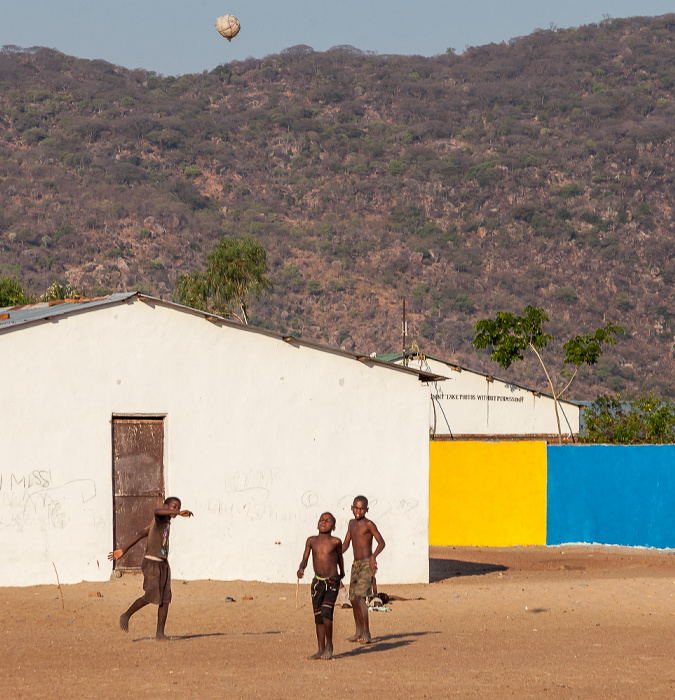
(329, 569)
(361, 533)
(155, 566)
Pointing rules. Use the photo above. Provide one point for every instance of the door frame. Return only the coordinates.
(128, 415)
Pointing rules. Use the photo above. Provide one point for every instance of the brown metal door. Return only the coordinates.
(138, 479)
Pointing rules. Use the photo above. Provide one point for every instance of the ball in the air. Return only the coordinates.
(228, 26)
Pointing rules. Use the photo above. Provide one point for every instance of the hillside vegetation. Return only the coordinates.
(535, 172)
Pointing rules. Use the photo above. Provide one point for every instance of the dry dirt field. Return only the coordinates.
(563, 622)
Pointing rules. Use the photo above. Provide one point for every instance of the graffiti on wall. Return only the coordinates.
(251, 494)
(35, 497)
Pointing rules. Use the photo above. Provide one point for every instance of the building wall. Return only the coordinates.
(503, 493)
(261, 437)
(487, 494)
(466, 403)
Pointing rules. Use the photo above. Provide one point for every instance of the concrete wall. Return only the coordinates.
(261, 436)
(500, 494)
(612, 494)
(487, 494)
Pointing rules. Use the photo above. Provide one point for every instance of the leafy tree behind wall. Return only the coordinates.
(511, 336)
(11, 292)
(57, 291)
(645, 420)
(236, 269)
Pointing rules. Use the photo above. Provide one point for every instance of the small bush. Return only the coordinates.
(191, 172)
(396, 167)
(624, 302)
(647, 419)
(566, 294)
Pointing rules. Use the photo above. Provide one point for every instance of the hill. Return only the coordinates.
(538, 171)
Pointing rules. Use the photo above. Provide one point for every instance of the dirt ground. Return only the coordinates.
(563, 622)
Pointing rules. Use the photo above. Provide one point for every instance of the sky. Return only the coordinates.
(175, 37)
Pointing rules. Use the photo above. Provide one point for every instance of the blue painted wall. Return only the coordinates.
(611, 494)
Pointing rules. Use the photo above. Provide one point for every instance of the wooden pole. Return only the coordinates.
(405, 332)
(63, 606)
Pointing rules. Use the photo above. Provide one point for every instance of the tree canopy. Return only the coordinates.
(11, 292)
(647, 419)
(236, 269)
(510, 336)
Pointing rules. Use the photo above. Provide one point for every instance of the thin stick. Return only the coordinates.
(59, 584)
(297, 588)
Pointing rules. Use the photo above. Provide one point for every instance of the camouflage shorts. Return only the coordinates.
(361, 582)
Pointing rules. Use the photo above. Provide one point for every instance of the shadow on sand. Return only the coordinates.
(181, 637)
(384, 643)
(442, 569)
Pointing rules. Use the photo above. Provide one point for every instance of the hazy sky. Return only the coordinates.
(174, 37)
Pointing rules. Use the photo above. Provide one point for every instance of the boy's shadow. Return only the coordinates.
(442, 569)
(385, 643)
(181, 637)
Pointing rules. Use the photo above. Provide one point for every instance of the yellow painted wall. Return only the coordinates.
(489, 494)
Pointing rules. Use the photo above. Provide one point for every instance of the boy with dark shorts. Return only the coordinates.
(361, 533)
(329, 569)
(155, 566)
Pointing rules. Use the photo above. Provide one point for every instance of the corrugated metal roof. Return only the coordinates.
(48, 310)
(17, 317)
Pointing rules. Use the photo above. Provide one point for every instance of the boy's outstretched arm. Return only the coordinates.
(163, 512)
(116, 554)
(305, 559)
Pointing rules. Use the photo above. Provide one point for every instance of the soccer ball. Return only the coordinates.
(228, 26)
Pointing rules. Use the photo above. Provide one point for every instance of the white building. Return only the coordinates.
(108, 405)
(469, 404)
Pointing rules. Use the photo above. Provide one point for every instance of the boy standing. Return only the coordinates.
(155, 566)
(329, 569)
(360, 533)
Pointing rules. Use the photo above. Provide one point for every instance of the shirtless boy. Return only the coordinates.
(155, 566)
(329, 569)
(361, 533)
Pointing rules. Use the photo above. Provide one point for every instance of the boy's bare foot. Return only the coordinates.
(124, 623)
(316, 656)
(162, 638)
(365, 639)
(327, 654)
(355, 638)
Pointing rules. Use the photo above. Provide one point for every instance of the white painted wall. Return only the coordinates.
(261, 437)
(467, 404)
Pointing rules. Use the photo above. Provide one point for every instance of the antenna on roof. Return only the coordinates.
(405, 333)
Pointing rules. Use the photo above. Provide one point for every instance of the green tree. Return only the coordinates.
(511, 336)
(645, 420)
(11, 292)
(236, 269)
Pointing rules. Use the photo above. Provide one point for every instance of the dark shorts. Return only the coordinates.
(324, 595)
(361, 582)
(156, 581)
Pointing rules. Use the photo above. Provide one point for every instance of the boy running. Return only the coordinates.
(329, 569)
(155, 566)
(360, 533)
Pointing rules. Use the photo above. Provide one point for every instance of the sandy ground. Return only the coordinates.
(563, 622)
